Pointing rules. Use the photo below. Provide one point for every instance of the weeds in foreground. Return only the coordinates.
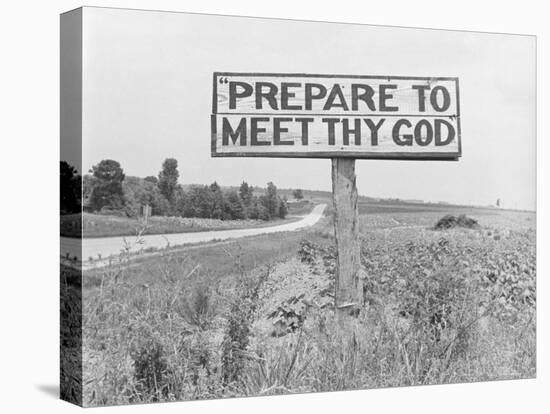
(440, 308)
(238, 329)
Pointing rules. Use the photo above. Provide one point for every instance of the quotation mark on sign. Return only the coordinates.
(223, 80)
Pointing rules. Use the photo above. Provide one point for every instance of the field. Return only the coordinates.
(90, 225)
(256, 317)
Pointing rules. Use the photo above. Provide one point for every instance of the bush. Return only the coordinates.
(289, 315)
(237, 334)
(449, 221)
(198, 308)
(298, 194)
(307, 252)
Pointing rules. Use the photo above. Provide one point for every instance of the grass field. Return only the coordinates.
(255, 316)
(90, 225)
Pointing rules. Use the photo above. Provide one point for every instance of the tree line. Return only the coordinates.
(107, 189)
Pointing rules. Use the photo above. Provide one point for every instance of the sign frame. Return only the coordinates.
(394, 155)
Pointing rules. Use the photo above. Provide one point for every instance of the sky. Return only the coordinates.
(147, 96)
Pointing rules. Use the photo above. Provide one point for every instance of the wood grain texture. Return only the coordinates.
(349, 284)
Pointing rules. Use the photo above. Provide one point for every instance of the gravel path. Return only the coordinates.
(103, 247)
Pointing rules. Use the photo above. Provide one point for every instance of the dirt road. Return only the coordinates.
(102, 248)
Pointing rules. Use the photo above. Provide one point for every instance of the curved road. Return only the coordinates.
(104, 247)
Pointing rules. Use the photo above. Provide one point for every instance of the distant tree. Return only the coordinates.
(88, 182)
(271, 200)
(70, 189)
(233, 206)
(246, 193)
(213, 202)
(190, 208)
(107, 190)
(139, 192)
(161, 206)
(168, 179)
(217, 209)
(198, 202)
(298, 194)
(257, 210)
(152, 179)
(180, 202)
(283, 209)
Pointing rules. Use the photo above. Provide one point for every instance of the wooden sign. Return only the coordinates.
(343, 118)
(328, 116)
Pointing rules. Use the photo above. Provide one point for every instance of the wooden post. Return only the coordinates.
(349, 284)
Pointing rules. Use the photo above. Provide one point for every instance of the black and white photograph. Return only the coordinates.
(255, 207)
(274, 207)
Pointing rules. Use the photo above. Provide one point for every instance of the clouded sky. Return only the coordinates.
(147, 96)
